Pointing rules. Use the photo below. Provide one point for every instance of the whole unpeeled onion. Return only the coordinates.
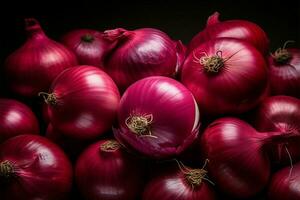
(32, 167)
(16, 119)
(32, 67)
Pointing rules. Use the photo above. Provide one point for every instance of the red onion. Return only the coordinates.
(139, 54)
(281, 114)
(284, 66)
(237, 156)
(285, 184)
(32, 167)
(16, 119)
(226, 76)
(181, 52)
(88, 45)
(106, 171)
(33, 67)
(158, 117)
(239, 29)
(184, 184)
(82, 102)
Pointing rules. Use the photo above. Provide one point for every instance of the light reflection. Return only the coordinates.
(171, 90)
(94, 79)
(84, 121)
(13, 117)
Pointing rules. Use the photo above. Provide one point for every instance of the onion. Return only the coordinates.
(139, 54)
(183, 183)
(106, 171)
(88, 45)
(31, 167)
(181, 53)
(285, 184)
(281, 114)
(82, 102)
(226, 76)
(33, 67)
(239, 29)
(284, 66)
(16, 119)
(158, 117)
(237, 156)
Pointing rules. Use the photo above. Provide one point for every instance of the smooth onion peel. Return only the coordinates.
(33, 67)
(158, 117)
(226, 76)
(238, 29)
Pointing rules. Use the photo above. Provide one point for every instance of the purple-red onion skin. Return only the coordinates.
(285, 77)
(282, 114)
(181, 54)
(87, 52)
(114, 175)
(284, 185)
(16, 119)
(42, 171)
(171, 185)
(238, 86)
(238, 29)
(139, 54)
(175, 114)
(237, 162)
(87, 102)
(32, 67)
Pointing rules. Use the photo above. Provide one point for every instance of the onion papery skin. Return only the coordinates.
(16, 119)
(238, 86)
(31, 68)
(86, 102)
(285, 76)
(40, 169)
(174, 117)
(108, 174)
(238, 163)
(285, 184)
(138, 54)
(238, 29)
(172, 184)
(88, 45)
(181, 54)
(281, 114)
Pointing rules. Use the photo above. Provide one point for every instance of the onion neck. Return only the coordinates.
(212, 64)
(33, 28)
(195, 176)
(88, 38)
(282, 56)
(115, 34)
(6, 169)
(110, 146)
(50, 99)
(140, 124)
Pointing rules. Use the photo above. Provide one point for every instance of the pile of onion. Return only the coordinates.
(238, 29)
(237, 154)
(281, 114)
(88, 45)
(284, 70)
(32, 167)
(106, 171)
(82, 102)
(140, 53)
(226, 76)
(16, 119)
(158, 117)
(33, 67)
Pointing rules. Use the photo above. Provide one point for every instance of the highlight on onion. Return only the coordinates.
(284, 70)
(138, 54)
(16, 119)
(238, 29)
(32, 167)
(182, 183)
(32, 67)
(238, 156)
(281, 114)
(88, 45)
(106, 171)
(158, 117)
(226, 76)
(82, 102)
